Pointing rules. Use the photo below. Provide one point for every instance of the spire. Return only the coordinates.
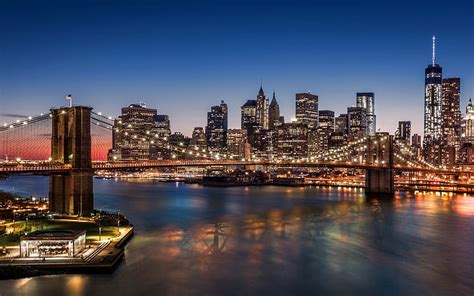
(260, 91)
(274, 101)
(434, 50)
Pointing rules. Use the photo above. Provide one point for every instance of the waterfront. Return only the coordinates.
(273, 240)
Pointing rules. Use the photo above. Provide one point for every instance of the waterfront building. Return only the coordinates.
(216, 129)
(52, 243)
(357, 123)
(273, 114)
(404, 131)
(366, 101)
(433, 111)
(292, 141)
(307, 109)
(324, 129)
(237, 145)
(262, 109)
(451, 120)
(139, 133)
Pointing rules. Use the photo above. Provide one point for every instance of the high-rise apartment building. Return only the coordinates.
(216, 129)
(307, 109)
(367, 101)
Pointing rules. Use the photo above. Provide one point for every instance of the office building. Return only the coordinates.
(262, 109)
(273, 114)
(216, 129)
(404, 131)
(292, 141)
(357, 123)
(237, 146)
(366, 101)
(140, 134)
(307, 109)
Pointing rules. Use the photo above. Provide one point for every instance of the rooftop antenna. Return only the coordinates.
(434, 50)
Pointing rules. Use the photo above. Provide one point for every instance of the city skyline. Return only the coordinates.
(110, 74)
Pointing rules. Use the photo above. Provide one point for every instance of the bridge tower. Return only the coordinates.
(380, 153)
(72, 193)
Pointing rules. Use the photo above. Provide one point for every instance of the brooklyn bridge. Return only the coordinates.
(70, 145)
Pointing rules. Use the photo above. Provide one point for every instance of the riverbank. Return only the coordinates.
(104, 258)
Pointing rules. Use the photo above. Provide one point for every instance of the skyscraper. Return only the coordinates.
(273, 114)
(367, 101)
(468, 124)
(292, 141)
(248, 119)
(357, 122)
(433, 94)
(307, 109)
(404, 131)
(262, 109)
(237, 146)
(216, 129)
(140, 134)
(451, 120)
(324, 129)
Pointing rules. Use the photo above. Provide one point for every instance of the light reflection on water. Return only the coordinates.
(275, 240)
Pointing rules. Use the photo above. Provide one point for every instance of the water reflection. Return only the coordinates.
(278, 241)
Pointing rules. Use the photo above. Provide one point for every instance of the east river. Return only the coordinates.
(194, 240)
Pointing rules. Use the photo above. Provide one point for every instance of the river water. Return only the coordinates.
(194, 240)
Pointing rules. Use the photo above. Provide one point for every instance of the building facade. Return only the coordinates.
(357, 123)
(292, 141)
(273, 114)
(140, 134)
(307, 109)
(366, 100)
(404, 131)
(216, 129)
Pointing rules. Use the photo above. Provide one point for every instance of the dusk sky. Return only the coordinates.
(182, 58)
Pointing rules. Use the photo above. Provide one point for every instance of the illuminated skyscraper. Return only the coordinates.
(357, 122)
(433, 94)
(216, 129)
(248, 117)
(307, 109)
(451, 120)
(140, 134)
(262, 109)
(367, 101)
